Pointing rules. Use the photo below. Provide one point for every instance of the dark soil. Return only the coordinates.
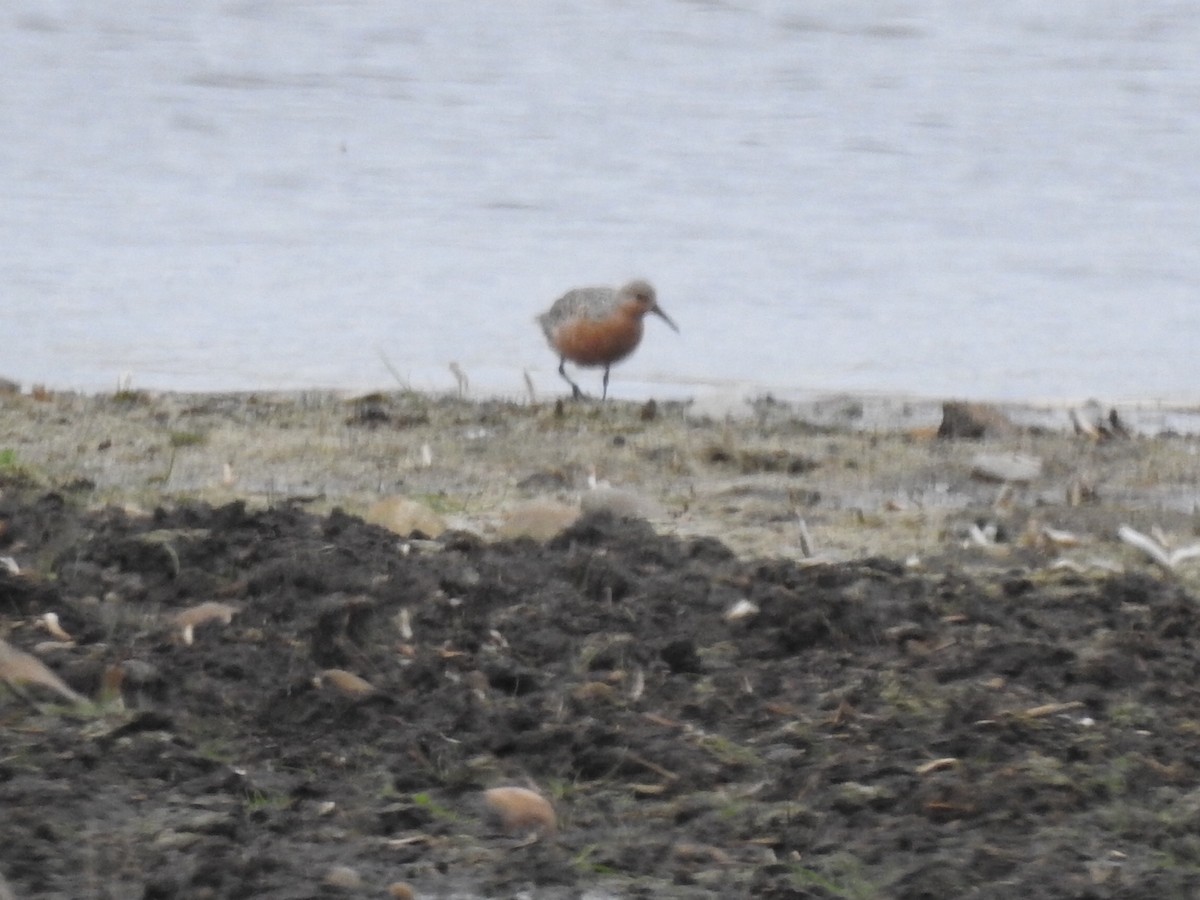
(779, 755)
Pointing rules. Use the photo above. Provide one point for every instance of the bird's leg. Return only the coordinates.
(604, 393)
(576, 393)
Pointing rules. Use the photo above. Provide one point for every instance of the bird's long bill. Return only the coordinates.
(662, 315)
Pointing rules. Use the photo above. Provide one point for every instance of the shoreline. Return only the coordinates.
(882, 409)
(863, 475)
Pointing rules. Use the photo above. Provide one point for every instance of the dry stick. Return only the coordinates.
(1050, 709)
(652, 766)
(937, 765)
(806, 541)
(387, 364)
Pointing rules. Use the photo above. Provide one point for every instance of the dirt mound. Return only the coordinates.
(702, 725)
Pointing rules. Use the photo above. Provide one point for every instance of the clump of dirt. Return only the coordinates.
(703, 725)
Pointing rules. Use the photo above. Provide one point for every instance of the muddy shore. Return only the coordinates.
(788, 653)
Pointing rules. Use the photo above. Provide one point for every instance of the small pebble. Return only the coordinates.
(743, 609)
(1004, 467)
(343, 877)
(539, 519)
(347, 682)
(521, 810)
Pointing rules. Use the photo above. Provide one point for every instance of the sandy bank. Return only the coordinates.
(863, 474)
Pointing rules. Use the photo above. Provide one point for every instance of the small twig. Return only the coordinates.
(387, 364)
(656, 719)
(170, 465)
(806, 541)
(1050, 709)
(937, 765)
(652, 766)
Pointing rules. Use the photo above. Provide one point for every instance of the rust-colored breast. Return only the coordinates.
(598, 342)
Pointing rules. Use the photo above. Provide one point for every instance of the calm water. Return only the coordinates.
(972, 198)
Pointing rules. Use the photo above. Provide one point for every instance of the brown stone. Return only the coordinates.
(973, 420)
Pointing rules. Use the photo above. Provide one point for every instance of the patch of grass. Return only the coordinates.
(1114, 776)
(1177, 859)
(1129, 714)
(728, 752)
(751, 461)
(187, 438)
(130, 397)
(437, 810)
(583, 862)
(256, 799)
(845, 877)
(15, 472)
(216, 750)
(558, 789)
(904, 698)
(734, 809)
(441, 503)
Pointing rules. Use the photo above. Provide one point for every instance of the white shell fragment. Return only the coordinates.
(51, 623)
(194, 616)
(1156, 550)
(404, 623)
(743, 609)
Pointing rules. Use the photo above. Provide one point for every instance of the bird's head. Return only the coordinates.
(642, 295)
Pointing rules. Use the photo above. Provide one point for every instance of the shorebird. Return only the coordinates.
(599, 326)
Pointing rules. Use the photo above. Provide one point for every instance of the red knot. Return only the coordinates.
(599, 326)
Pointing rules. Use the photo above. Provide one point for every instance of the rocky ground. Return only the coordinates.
(821, 660)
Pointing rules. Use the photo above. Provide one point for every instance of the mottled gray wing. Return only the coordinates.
(580, 303)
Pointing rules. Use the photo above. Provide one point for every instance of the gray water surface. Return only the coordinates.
(940, 198)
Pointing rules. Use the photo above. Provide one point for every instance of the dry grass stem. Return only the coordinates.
(937, 765)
